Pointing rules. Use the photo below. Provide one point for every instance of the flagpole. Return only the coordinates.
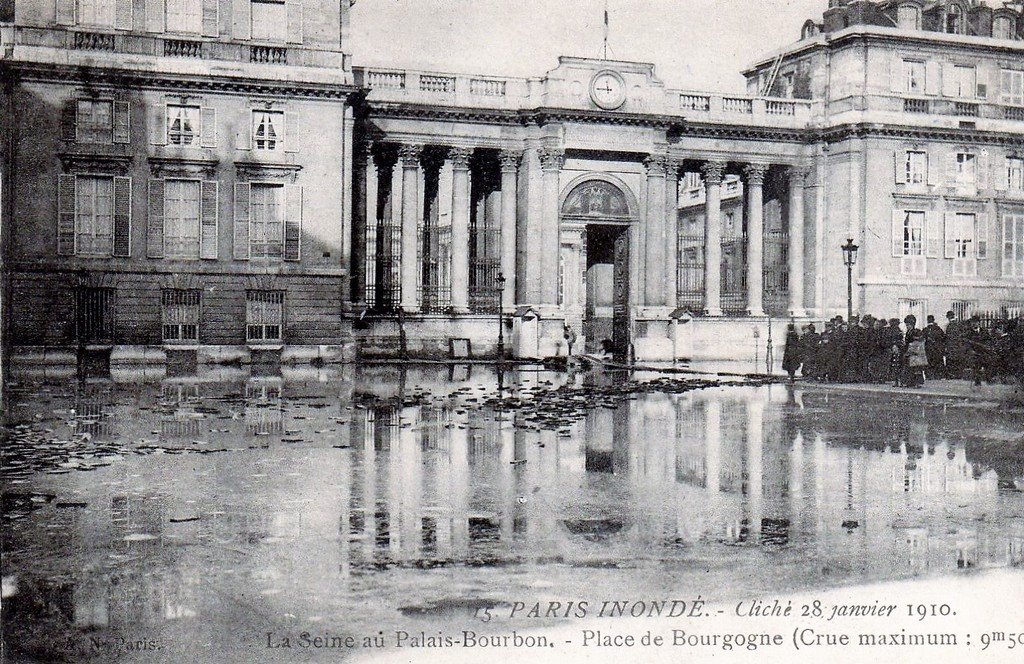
(605, 49)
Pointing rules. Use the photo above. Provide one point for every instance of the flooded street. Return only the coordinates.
(200, 520)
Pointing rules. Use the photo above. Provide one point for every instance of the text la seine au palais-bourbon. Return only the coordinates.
(751, 625)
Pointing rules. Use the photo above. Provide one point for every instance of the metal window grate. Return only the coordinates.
(776, 272)
(264, 315)
(690, 277)
(95, 315)
(180, 314)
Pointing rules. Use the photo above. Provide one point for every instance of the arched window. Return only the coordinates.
(908, 17)
(1003, 27)
(954, 19)
(596, 198)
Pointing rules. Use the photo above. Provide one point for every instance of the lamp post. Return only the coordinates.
(849, 260)
(500, 280)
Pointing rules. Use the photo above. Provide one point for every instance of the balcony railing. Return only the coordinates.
(183, 48)
(486, 87)
(689, 102)
(94, 41)
(431, 83)
(966, 109)
(272, 55)
(915, 105)
(389, 80)
(775, 107)
(737, 105)
(1013, 113)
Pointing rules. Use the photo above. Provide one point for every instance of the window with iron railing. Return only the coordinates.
(180, 315)
(264, 315)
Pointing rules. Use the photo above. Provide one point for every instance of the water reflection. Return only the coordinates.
(344, 500)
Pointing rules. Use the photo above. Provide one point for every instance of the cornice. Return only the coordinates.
(175, 166)
(82, 162)
(948, 134)
(56, 73)
(257, 170)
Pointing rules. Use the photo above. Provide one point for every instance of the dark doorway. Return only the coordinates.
(606, 316)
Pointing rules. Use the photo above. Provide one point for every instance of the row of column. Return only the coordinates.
(369, 173)
(660, 251)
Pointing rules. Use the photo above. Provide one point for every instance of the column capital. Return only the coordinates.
(656, 164)
(551, 159)
(410, 154)
(509, 160)
(362, 154)
(798, 173)
(460, 157)
(672, 165)
(755, 173)
(713, 172)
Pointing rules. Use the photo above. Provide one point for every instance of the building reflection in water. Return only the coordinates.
(413, 481)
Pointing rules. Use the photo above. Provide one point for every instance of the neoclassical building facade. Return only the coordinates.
(383, 212)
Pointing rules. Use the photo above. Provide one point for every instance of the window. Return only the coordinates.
(964, 81)
(181, 219)
(264, 315)
(94, 216)
(1015, 173)
(185, 16)
(917, 167)
(962, 309)
(908, 17)
(913, 234)
(269, 20)
(180, 314)
(1002, 27)
(96, 12)
(1013, 245)
(966, 169)
(915, 72)
(1012, 84)
(268, 130)
(183, 125)
(954, 19)
(95, 121)
(960, 236)
(912, 307)
(266, 225)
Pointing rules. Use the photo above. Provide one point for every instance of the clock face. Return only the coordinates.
(608, 90)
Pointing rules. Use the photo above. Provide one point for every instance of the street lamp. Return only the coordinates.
(500, 279)
(849, 260)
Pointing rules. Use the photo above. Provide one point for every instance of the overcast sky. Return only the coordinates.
(694, 44)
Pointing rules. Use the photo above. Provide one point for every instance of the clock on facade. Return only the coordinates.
(607, 89)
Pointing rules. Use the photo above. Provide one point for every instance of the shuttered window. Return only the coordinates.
(264, 315)
(269, 20)
(1013, 245)
(266, 224)
(95, 121)
(96, 12)
(181, 219)
(183, 124)
(268, 130)
(180, 315)
(94, 216)
(966, 169)
(917, 167)
(185, 16)
(1015, 173)
(1012, 87)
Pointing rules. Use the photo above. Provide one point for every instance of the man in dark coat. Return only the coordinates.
(837, 354)
(826, 349)
(956, 346)
(809, 343)
(935, 348)
(791, 353)
(894, 342)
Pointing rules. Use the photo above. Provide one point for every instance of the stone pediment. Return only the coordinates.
(604, 85)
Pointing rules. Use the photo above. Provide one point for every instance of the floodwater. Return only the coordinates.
(202, 520)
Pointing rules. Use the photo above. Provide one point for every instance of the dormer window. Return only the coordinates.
(908, 17)
(1002, 27)
(809, 30)
(954, 19)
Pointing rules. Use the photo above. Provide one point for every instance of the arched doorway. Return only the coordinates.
(601, 212)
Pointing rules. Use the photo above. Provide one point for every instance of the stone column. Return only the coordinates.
(654, 232)
(713, 173)
(410, 156)
(551, 165)
(797, 176)
(755, 238)
(460, 228)
(365, 216)
(509, 166)
(671, 233)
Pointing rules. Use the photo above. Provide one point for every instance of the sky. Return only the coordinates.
(694, 44)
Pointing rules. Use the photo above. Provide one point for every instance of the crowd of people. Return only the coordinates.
(866, 349)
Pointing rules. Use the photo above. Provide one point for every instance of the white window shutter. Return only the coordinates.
(241, 19)
(211, 18)
(208, 211)
(123, 14)
(982, 168)
(293, 12)
(122, 122)
(933, 234)
(981, 231)
(158, 125)
(155, 10)
(933, 77)
(951, 169)
(1000, 173)
(291, 131)
(932, 166)
(898, 217)
(900, 166)
(949, 80)
(243, 135)
(66, 12)
(155, 220)
(292, 222)
(69, 121)
(208, 127)
(1008, 222)
(897, 74)
(122, 216)
(950, 218)
(65, 215)
(241, 226)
